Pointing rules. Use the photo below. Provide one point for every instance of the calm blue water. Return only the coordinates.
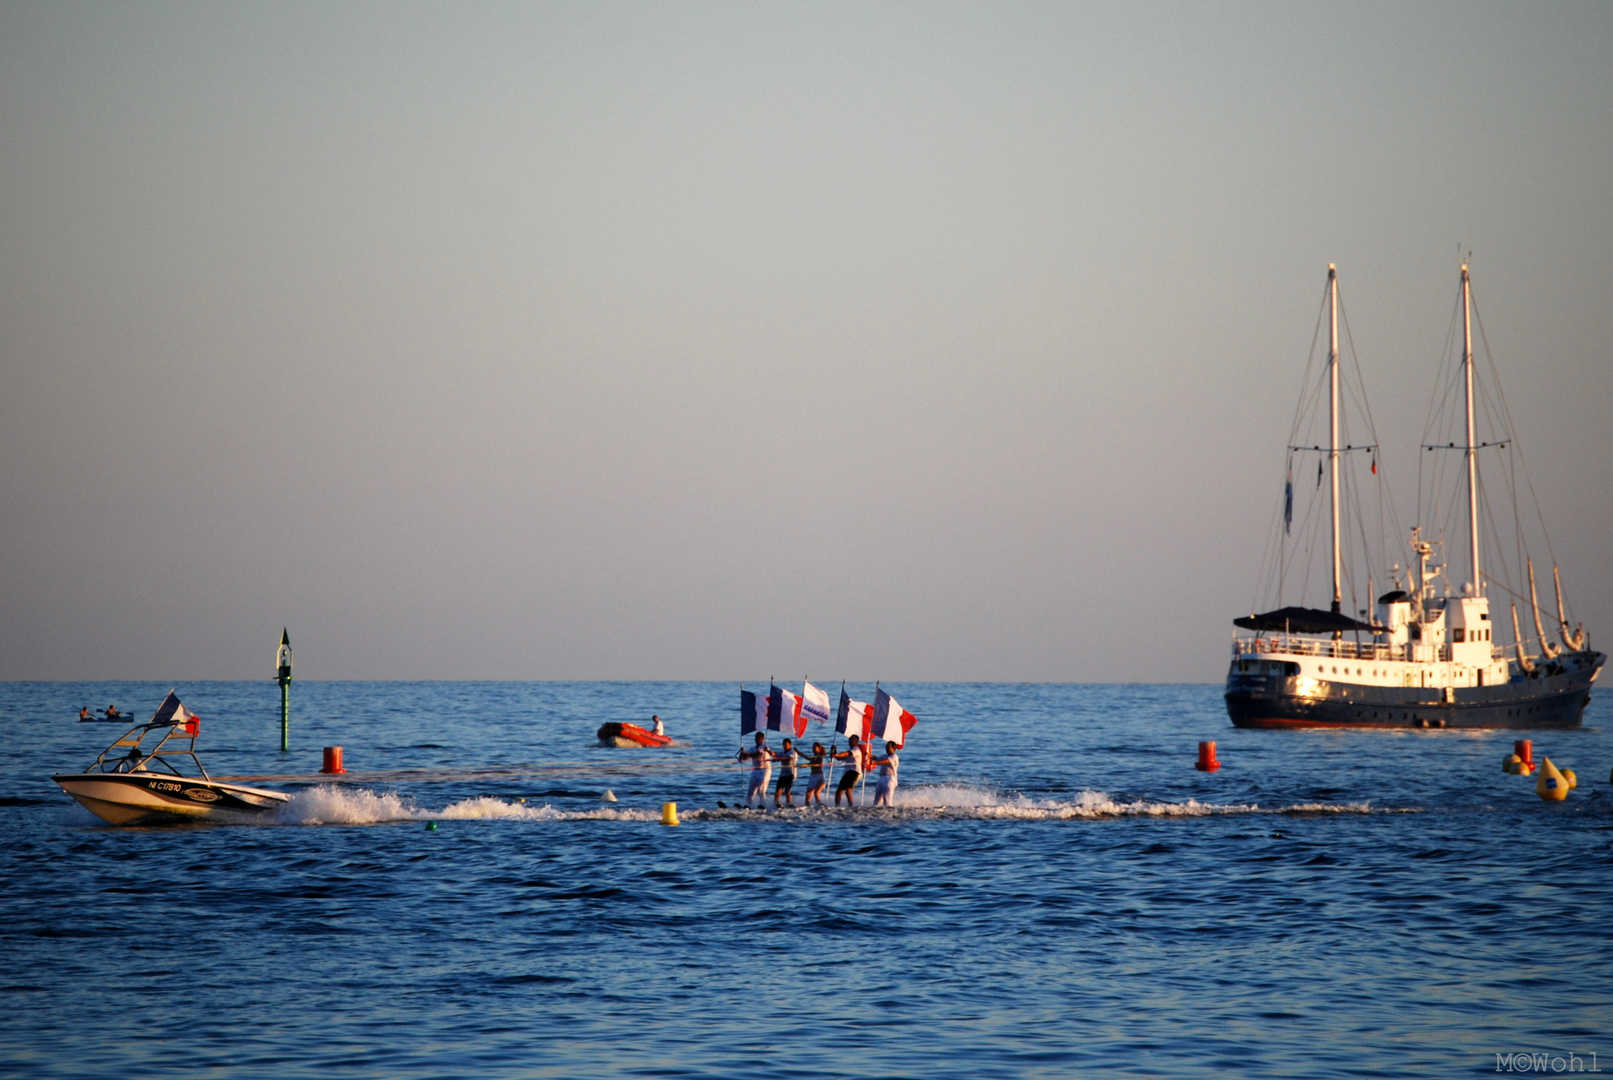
(1059, 891)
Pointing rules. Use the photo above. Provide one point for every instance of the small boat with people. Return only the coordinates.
(1427, 653)
(127, 785)
(621, 734)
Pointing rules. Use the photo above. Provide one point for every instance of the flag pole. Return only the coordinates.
(862, 781)
(829, 783)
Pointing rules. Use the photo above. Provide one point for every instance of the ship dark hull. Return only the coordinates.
(1555, 697)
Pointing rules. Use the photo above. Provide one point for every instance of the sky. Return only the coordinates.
(909, 341)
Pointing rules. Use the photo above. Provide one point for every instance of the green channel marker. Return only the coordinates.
(283, 677)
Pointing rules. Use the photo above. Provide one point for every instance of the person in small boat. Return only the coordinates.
(658, 727)
(112, 713)
(787, 759)
(817, 779)
(85, 714)
(885, 790)
(852, 755)
(761, 769)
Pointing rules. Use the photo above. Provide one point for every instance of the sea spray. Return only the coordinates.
(333, 804)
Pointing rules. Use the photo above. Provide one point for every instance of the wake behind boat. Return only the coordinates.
(125, 785)
(1428, 655)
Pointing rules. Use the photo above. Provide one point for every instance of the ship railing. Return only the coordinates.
(1342, 650)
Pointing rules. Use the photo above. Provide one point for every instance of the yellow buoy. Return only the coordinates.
(1551, 786)
(1573, 781)
(1512, 764)
(669, 813)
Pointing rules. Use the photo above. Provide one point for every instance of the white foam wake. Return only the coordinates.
(333, 804)
(967, 800)
(330, 804)
(973, 802)
(960, 800)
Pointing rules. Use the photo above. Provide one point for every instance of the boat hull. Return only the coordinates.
(136, 798)
(1555, 700)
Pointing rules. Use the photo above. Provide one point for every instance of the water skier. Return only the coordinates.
(853, 756)
(819, 780)
(761, 770)
(886, 788)
(787, 759)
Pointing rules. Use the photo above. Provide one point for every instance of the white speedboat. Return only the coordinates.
(126, 785)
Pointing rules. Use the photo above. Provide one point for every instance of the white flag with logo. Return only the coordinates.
(814, 704)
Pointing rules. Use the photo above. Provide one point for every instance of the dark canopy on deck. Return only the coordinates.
(1301, 620)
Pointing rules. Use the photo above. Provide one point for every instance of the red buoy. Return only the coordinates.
(1525, 749)
(1207, 761)
(333, 760)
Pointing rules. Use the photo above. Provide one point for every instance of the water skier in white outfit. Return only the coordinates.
(761, 770)
(886, 789)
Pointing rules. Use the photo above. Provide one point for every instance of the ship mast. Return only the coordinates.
(1472, 450)
(1333, 417)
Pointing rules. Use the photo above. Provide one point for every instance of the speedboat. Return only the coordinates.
(126, 785)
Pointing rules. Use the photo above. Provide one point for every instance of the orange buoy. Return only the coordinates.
(333, 760)
(1525, 749)
(1551, 786)
(1207, 761)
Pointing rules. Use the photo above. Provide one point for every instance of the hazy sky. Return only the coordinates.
(900, 341)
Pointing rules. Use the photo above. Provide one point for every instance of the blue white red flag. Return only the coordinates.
(783, 706)
(172, 711)
(747, 712)
(814, 706)
(854, 716)
(891, 722)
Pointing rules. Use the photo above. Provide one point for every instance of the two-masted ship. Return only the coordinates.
(1427, 654)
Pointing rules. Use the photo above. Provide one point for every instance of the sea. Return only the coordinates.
(1056, 890)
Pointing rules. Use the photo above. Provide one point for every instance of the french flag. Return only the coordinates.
(891, 722)
(782, 704)
(854, 716)
(173, 711)
(747, 711)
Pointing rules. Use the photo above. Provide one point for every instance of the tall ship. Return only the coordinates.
(1425, 653)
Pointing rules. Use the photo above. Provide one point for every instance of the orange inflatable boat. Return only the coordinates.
(614, 734)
